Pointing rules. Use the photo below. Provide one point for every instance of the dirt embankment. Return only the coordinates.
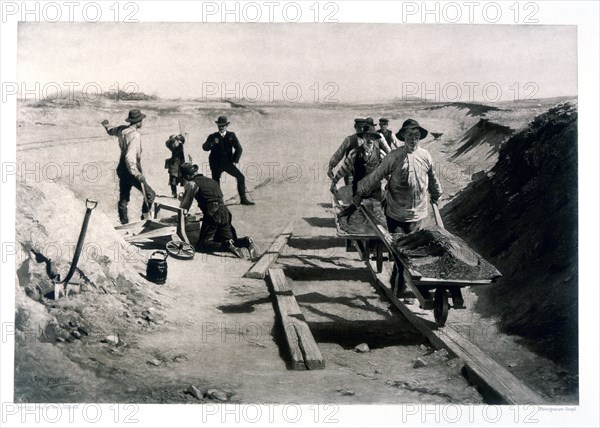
(482, 141)
(522, 216)
(110, 296)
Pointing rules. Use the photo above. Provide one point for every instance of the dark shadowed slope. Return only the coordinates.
(522, 215)
(482, 141)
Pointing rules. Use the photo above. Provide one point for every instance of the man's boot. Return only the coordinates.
(242, 192)
(122, 209)
(253, 249)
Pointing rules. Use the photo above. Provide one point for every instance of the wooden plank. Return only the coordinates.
(301, 343)
(279, 281)
(310, 350)
(285, 305)
(162, 232)
(260, 268)
(452, 282)
(496, 383)
(494, 379)
(418, 323)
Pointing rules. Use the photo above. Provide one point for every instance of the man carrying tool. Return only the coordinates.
(175, 145)
(411, 177)
(217, 233)
(129, 169)
(225, 151)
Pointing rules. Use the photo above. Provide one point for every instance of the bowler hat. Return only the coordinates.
(222, 120)
(369, 121)
(411, 124)
(135, 116)
(187, 169)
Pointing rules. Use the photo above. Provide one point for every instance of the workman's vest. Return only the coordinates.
(364, 166)
(387, 134)
(208, 193)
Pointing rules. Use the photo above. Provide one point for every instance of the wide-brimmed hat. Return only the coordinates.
(187, 169)
(410, 124)
(222, 120)
(135, 116)
(369, 121)
(370, 130)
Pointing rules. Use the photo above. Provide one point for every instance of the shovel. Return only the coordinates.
(89, 205)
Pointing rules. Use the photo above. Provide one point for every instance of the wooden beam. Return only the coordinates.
(162, 232)
(303, 348)
(382, 280)
(310, 350)
(260, 268)
(496, 383)
(279, 282)
(449, 282)
(287, 305)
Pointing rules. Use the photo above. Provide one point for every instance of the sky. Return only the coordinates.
(305, 62)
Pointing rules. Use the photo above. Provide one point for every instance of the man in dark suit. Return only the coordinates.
(225, 151)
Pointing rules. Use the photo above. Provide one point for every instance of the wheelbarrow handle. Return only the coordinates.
(436, 214)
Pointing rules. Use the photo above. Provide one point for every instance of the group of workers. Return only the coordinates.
(217, 232)
(370, 156)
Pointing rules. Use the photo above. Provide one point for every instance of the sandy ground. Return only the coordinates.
(215, 329)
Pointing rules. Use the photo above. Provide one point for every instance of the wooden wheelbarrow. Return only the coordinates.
(409, 258)
(170, 231)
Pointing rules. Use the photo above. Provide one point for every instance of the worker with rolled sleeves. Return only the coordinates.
(129, 169)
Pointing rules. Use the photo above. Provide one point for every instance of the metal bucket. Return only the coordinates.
(156, 269)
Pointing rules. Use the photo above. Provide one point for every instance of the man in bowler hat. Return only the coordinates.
(225, 151)
(129, 169)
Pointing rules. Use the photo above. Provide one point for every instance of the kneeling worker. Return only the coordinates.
(217, 233)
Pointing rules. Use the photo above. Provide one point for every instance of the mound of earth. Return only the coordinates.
(482, 141)
(110, 299)
(436, 253)
(473, 109)
(522, 216)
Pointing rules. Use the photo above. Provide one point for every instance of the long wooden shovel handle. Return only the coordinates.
(438, 217)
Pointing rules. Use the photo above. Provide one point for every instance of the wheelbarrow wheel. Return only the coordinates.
(440, 306)
(180, 250)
